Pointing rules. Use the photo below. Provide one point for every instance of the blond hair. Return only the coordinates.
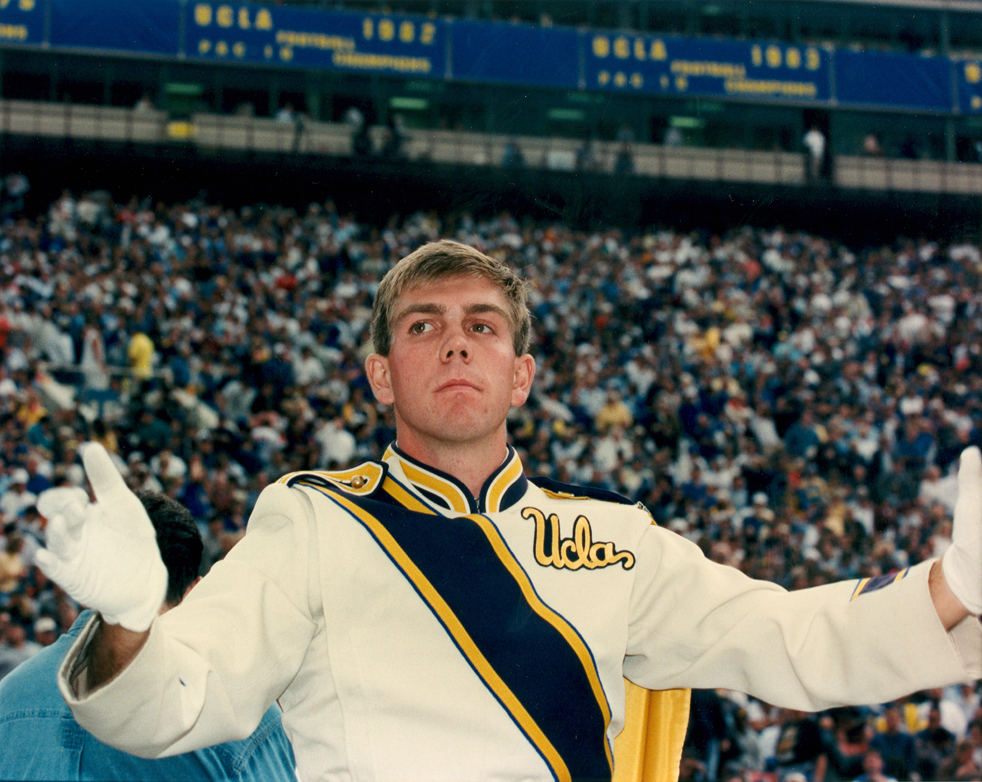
(440, 260)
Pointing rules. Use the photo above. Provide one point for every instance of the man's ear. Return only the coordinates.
(377, 370)
(522, 384)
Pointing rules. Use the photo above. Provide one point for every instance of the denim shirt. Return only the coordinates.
(40, 740)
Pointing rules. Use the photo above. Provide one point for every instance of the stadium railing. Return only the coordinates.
(217, 132)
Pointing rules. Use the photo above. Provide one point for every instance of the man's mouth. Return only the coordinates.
(453, 385)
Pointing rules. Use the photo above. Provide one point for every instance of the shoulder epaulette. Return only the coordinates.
(571, 491)
(362, 480)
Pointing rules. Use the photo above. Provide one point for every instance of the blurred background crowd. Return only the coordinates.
(793, 405)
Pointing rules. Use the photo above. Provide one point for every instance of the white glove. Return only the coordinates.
(104, 554)
(962, 562)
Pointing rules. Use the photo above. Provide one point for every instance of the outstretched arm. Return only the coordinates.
(956, 580)
(209, 668)
(104, 554)
(865, 641)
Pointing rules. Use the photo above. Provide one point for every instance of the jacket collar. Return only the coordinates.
(80, 621)
(503, 488)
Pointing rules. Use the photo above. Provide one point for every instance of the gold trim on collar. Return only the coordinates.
(504, 481)
(425, 479)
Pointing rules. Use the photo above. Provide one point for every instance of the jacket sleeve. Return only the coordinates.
(213, 664)
(695, 623)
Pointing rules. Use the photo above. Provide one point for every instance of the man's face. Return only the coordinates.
(451, 374)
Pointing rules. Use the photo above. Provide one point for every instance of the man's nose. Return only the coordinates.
(455, 343)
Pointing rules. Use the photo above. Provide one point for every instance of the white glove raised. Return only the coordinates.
(962, 562)
(104, 554)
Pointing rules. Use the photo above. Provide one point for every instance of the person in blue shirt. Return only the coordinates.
(42, 741)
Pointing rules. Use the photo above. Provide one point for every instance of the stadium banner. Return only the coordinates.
(392, 44)
(506, 53)
(419, 46)
(21, 21)
(138, 26)
(968, 83)
(674, 66)
(893, 80)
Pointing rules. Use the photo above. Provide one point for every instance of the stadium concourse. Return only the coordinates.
(793, 405)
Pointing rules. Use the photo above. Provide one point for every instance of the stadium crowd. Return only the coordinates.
(794, 406)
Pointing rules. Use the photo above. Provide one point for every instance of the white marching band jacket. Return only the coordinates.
(411, 632)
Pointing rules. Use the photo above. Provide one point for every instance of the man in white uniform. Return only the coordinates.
(437, 615)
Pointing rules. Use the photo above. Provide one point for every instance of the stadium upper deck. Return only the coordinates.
(708, 93)
(714, 73)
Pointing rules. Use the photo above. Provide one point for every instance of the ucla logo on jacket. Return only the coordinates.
(575, 552)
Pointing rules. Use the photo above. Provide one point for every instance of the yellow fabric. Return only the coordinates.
(650, 746)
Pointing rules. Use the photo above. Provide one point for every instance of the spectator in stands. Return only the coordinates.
(145, 103)
(286, 113)
(845, 741)
(16, 648)
(513, 157)
(871, 145)
(624, 162)
(708, 734)
(936, 487)
(894, 744)
(361, 140)
(802, 439)
(337, 444)
(614, 412)
(908, 149)
(932, 745)
(353, 117)
(308, 369)
(13, 567)
(814, 143)
(873, 769)
(673, 137)
(395, 136)
(92, 357)
(38, 472)
(586, 157)
(962, 766)
(140, 353)
(801, 747)
(13, 190)
(16, 499)
(45, 631)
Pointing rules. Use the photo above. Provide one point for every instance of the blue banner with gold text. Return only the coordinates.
(21, 22)
(392, 44)
(417, 46)
(673, 66)
(968, 82)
